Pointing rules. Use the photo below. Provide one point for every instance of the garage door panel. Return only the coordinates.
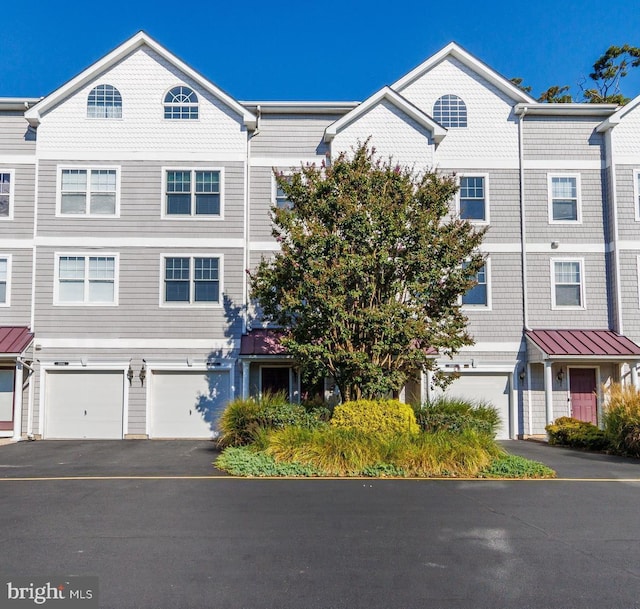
(187, 404)
(492, 388)
(84, 404)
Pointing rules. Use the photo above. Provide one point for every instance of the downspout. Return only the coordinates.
(32, 324)
(523, 262)
(523, 225)
(615, 236)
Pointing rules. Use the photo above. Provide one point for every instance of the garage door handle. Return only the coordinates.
(85, 413)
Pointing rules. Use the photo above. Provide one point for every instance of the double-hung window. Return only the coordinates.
(473, 201)
(192, 280)
(6, 194)
(193, 192)
(5, 268)
(280, 199)
(478, 295)
(86, 279)
(88, 191)
(568, 284)
(564, 198)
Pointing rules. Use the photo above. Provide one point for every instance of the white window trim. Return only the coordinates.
(193, 216)
(274, 185)
(8, 258)
(197, 105)
(489, 305)
(550, 177)
(93, 254)
(199, 305)
(88, 169)
(105, 118)
(487, 216)
(12, 192)
(638, 276)
(636, 194)
(583, 299)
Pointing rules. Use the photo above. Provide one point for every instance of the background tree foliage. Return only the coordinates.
(608, 70)
(370, 272)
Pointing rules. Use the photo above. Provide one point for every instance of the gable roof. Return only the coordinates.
(482, 69)
(34, 114)
(393, 97)
(583, 343)
(617, 116)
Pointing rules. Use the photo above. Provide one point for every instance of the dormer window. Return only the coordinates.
(104, 101)
(181, 103)
(450, 111)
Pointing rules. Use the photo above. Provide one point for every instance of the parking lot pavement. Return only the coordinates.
(575, 464)
(66, 458)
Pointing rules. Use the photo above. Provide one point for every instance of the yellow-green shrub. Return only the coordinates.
(622, 418)
(376, 416)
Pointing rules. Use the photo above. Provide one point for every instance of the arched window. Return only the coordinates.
(450, 111)
(104, 101)
(181, 103)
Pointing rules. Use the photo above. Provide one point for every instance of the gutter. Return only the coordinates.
(523, 224)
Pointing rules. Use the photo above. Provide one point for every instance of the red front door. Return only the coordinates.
(582, 387)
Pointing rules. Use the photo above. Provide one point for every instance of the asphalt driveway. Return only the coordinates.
(85, 458)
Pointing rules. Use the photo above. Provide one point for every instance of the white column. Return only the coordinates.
(548, 391)
(246, 364)
(634, 374)
(17, 402)
(424, 390)
(513, 401)
(428, 384)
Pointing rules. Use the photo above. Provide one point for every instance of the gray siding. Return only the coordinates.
(15, 135)
(540, 283)
(141, 204)
(139, 314)
(260, 204)
(591, 229)
(547, 137)
(628, 226)
(630, 294)
(291, 135)
(21, 226)
(19, 311)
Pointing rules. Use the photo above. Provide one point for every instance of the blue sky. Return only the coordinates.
(325, 50)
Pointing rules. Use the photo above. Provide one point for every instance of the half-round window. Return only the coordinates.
(104, 101)
(181, 103)
(450, 111)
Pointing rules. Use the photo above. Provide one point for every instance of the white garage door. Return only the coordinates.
(84, 404)
(493, 388)
(187, 404)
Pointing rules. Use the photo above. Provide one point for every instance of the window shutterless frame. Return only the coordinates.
(567, 282)
(564, 196)
(7, 192)
(190, 277)
(87, 277)
(472, 198)
(87, 189)
(194, 190)
(5, 280)
(278, 198)
(636, 194)
(484, 281)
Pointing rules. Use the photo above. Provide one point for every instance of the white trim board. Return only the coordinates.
(139, 242)
(108, 344)
(165, 156)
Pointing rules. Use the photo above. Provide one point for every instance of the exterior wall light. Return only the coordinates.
(560, 375)
(130, 374)
(143, 374)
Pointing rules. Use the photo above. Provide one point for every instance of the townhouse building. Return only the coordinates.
(134, 198)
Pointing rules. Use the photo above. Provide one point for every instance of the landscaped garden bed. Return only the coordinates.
(372, 438)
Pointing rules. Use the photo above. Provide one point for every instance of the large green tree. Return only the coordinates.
(370, 273)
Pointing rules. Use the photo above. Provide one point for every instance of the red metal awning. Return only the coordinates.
(583, 343)
(262, 342)
(14, 339)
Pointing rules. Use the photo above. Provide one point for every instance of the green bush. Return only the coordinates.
(566, 431)
(243, 461)
(513, 466)
(375, 416)
(242, 420)
(622, 419)
(457, 414)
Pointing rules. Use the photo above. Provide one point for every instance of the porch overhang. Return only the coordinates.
(262, 343)
(14, 340)
(560, 345)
